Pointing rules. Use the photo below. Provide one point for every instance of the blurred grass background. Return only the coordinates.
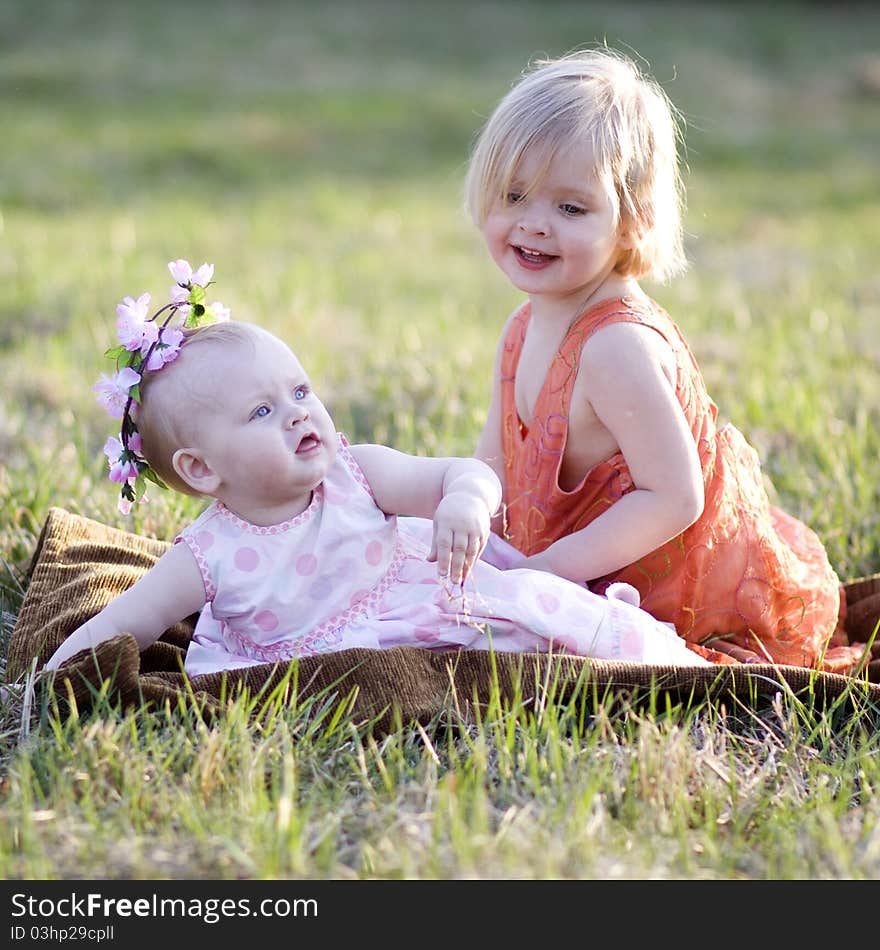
(315, 154)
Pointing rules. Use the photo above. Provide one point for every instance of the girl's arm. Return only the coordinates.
(169, 592)
(628, 373)
(460, 494)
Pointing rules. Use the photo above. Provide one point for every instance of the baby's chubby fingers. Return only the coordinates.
(476, 544)
(461, 529)
(455, 554)
(441, 552)
(465, 549)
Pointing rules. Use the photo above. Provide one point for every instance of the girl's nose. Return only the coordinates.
(532, 220)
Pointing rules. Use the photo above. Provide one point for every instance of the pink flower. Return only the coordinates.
(180, 271)
(221, 313)
(132, 325)
(135, 444)
(113, 391)
(166, 350)
(183, 274)
(179, 294)
(203, 275)
(124, 504)
(113, 449)
(122, 471)
(180, 298)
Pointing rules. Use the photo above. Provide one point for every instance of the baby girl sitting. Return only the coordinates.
(300, 550)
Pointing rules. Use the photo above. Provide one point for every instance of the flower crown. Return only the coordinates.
(146, 343)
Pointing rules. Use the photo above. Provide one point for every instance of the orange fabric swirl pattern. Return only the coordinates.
(745, 572)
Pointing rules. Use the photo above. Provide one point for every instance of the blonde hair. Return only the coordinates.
(168, 412)
(600, 98)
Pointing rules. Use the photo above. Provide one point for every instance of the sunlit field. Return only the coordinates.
(315, 154)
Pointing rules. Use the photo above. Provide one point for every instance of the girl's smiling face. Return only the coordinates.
(555, 234)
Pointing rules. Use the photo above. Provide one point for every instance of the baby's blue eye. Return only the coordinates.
(300, 392)
(261, 412)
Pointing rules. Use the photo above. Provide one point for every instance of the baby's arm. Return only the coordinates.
(460, 494)
(169, 592)
(628, 371)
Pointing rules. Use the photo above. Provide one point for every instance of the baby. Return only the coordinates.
(300, 551)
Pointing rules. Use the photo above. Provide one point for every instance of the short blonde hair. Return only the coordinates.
(601, 98)
(168, 412)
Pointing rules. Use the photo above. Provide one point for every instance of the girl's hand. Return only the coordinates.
(461, 529)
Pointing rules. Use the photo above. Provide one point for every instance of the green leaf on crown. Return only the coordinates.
(151, 476)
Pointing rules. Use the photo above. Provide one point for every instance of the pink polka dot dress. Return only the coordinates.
(344, 574)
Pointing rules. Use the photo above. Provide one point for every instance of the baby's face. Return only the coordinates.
(260, 427)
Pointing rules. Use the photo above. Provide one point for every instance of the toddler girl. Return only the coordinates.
(599, 426)
(300, 551)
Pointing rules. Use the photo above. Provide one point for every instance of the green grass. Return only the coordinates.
(315, 155)
(530, 790)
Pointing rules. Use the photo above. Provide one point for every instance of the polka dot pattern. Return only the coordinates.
(266, 621)
(246, 559)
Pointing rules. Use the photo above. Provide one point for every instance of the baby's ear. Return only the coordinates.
(195, 471)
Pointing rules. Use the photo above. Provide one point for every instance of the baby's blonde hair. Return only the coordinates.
(600, 98)
(169, 406)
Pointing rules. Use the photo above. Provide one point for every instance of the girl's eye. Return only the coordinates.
(261, 412)
(571, 209)
(300, 392)
(513, 197)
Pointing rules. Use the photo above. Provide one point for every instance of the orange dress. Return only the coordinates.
(745, 572)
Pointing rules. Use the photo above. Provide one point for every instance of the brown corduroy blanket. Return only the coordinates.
(79, 565)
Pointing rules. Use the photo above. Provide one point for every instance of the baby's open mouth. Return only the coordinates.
(308, 443)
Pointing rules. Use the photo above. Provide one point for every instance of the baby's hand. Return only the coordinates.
(86, 637)
(461, 529)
